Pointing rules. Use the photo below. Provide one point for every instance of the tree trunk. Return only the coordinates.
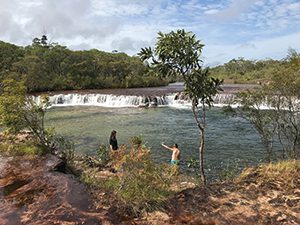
(201, 144)
(202, 174)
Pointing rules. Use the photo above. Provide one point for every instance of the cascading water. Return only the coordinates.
(105, 100)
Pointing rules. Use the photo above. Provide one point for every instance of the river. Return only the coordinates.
(230, 141)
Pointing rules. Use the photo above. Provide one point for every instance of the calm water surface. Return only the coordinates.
(229, 140)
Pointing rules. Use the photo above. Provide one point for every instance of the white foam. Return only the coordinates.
(120, 101)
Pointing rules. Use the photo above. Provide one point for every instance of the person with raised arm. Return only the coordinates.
(175, 159)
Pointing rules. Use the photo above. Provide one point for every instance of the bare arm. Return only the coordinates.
(167, 147)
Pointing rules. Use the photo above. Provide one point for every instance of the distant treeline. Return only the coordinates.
(251, 71)
(51, 67)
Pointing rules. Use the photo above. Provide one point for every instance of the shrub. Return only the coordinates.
(103, 155)
(18, 112)
(29, 149)
(139, 184)
(136, 142)
(142, 183)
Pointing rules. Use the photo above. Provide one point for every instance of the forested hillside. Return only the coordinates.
(47, 66)
(252, 71)
(50, 67)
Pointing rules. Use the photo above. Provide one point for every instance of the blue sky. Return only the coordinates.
(254, 29)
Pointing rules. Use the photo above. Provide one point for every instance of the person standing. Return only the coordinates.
(113, 142)
(175, 159)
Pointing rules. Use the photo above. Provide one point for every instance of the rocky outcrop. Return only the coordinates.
(32, 191)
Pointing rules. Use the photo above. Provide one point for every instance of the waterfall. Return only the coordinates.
(103, 100)
(109, 100)
(181, 101)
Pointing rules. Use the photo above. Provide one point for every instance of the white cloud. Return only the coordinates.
(275, 16)
(235, 9)
(211, 11)
(229, 28)
(116, 8)
(276, 47)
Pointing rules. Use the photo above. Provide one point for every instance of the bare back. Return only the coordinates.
(175, 154)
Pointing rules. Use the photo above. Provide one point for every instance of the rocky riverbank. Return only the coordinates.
(35, 190)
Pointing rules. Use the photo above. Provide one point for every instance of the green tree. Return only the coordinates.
(49, 66)
(41, 42)
(263, 120)
(9, 54)
(179, 53)
(18, 111)
(293, 58)
(281, 96)
(12, 101)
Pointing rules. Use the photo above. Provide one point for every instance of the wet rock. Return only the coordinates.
(154, 102)
(147, 99)
(86, 99)
(53, 163)
(60, 100)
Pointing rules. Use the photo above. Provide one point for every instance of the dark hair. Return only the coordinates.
(113, 134)
(176, 145)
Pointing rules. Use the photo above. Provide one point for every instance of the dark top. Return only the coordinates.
(114, 143)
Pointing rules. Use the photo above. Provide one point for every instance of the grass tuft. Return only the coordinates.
(286, 173)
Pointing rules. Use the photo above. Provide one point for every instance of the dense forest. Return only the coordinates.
(242, 70)
(51, 67)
